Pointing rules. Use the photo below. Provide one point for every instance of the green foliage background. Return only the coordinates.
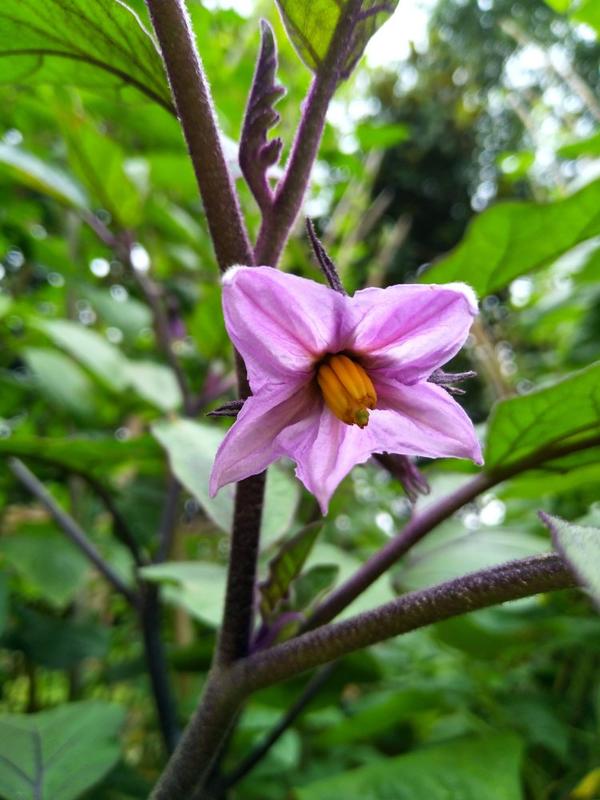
(501, 105)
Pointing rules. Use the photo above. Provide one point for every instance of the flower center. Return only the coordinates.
(347, 389)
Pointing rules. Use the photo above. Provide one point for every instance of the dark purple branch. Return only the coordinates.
(489, 587)
(71, 528)
(156, 663)
(287, 202)
(238, 615)
(168, 522)
(256, 153)
(311, 690)
(420, 525)
(198, 119)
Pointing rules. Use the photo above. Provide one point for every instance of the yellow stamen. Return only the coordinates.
(347, 389)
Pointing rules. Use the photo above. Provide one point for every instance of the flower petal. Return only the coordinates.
(252, 443)
(410, 330)
(326, 451)
(280, 323)
(422, 420)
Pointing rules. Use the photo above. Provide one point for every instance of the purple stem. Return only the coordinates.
(287, 201)
(197, 115)
(488, 587)
(422, 524)
(227, 690)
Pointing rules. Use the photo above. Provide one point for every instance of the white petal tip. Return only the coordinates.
(230, 273)
(467, 291)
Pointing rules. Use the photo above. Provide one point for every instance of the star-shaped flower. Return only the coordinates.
(335, 379)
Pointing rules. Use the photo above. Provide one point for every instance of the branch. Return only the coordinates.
(277, 224)
(489, 587)
(226, 691)
(312, 688)
(198, 119)
(157, 666)
(71, 529)
(422, 524)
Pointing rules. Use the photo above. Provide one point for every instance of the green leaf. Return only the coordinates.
(90, 349)
(522, 425)
(4, 600)
(580, 546)
(588, 12)
(461, 553)
(286, 566)
(347, 564)
(381, 137)
(58, 754)
(100, 44)
(54, 642)
(58, 576)
(311, 24)
(62, 381)
(34, 173)
(514, 238)
(192, 446)
(85, 454)
(311, 585)
(590, 146)
(469, 769)
(156, 383)
(198, 587)
(129, 315)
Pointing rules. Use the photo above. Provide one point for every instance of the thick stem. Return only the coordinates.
(422, 524)
(157, 666)
(200, 744)
(238, 614)
(71, 528)
(312, 688)
(198, 119)
(287, 202)
(489, 587)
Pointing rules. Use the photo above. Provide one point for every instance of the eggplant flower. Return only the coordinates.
(335, 379)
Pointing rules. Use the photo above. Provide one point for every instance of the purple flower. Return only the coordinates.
(337, 378)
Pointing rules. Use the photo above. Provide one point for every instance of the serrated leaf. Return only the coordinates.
(515, 238)
(257, 154)
(311, 25)
(580, 546)
(469, 769)
(58, 754)
(285, 567)
(521, 425)
(80, 43)
(31, 171)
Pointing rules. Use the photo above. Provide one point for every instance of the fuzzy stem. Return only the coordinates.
(197, 115)
(422, 524)
(279, 219)
(510, 581)
(227, 689)
(201, 741)
(238, 615)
